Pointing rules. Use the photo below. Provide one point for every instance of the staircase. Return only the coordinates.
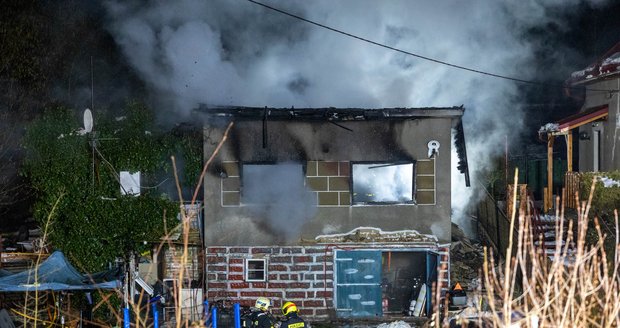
(545, 229)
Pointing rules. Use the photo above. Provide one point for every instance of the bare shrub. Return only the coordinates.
(571, 285)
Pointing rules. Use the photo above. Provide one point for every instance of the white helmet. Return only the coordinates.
(262, 303)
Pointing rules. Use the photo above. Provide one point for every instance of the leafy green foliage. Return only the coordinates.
(94, 223)
(604, 201)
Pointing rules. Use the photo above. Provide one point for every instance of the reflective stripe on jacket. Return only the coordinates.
(293, 321)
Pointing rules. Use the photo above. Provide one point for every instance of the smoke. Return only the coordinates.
(278, 193)
(382, 183)
(224, 52)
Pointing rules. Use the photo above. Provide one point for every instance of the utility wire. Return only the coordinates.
(505, 77)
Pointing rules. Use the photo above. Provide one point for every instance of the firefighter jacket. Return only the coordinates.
(258, 319)
(292, 320)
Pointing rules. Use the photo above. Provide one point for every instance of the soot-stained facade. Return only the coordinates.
(345, 211)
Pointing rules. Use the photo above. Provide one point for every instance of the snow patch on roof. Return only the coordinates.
(608, 64)
(613, 59)
(549, 127)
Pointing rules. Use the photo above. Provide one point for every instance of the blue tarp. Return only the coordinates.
(55, 273)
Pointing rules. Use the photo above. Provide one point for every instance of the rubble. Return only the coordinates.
(395, 324)
(466, 259)
(370, 234)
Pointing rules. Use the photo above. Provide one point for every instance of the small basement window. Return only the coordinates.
(255, 270)
(383, 183)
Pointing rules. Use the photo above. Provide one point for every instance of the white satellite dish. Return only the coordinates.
(88, 121)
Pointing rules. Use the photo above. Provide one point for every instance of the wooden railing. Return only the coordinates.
(571, 188)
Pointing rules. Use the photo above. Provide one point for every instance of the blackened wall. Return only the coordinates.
(323, 144)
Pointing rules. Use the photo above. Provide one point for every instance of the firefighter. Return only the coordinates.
(259, 316)
(291, 317)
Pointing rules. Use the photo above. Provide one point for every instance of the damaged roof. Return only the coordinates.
(330, 113)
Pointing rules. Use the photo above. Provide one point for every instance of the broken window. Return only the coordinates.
(383, 183)
(271, 184)
(276, 195)
(255, 270)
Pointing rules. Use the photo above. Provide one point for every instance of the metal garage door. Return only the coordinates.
(358, 284)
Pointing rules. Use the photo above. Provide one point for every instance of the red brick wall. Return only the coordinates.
(301, 274)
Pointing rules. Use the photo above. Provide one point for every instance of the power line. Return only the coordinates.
(505, 77)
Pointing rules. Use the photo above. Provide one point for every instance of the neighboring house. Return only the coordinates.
(599, 141)
(598, 121)
(344, 211)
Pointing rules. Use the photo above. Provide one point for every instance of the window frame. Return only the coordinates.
(383, 163)
(247, 270)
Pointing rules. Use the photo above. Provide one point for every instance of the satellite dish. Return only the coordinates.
(88, 121)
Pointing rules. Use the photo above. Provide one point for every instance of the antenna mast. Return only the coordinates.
(92, 85)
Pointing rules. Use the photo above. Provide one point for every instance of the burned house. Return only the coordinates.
(344, 211)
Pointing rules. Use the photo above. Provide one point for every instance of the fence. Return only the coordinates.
(493, 224)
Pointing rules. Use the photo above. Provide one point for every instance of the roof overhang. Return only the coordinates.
(574, 121)
(329, 113)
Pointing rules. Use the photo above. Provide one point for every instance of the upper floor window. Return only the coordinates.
(271, 184)
(383, 183)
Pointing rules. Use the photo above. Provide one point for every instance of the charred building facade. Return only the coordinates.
(345, 211)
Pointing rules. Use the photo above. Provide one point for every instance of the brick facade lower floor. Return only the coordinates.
(301, 274)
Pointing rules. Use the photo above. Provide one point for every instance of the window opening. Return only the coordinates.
(271, 184)
(383, 183)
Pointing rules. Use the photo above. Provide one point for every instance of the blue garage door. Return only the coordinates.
(358, 284)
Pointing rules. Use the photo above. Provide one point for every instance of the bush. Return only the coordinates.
(604, 199)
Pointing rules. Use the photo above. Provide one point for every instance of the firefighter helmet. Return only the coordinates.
(288, 307)
(262, 303)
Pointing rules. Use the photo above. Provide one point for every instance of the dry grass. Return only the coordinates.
(573, 286)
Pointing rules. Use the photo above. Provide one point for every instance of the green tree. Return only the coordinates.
(94, 222)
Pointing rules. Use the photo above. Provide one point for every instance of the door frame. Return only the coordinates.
(427, 251)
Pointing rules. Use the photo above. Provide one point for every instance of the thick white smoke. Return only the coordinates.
(285, 200)
(223, 52)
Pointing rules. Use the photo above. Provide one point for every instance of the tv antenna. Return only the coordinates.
(94, 139)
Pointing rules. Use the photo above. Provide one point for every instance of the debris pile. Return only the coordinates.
(395, 324)
(371, 234)
(466, 257)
